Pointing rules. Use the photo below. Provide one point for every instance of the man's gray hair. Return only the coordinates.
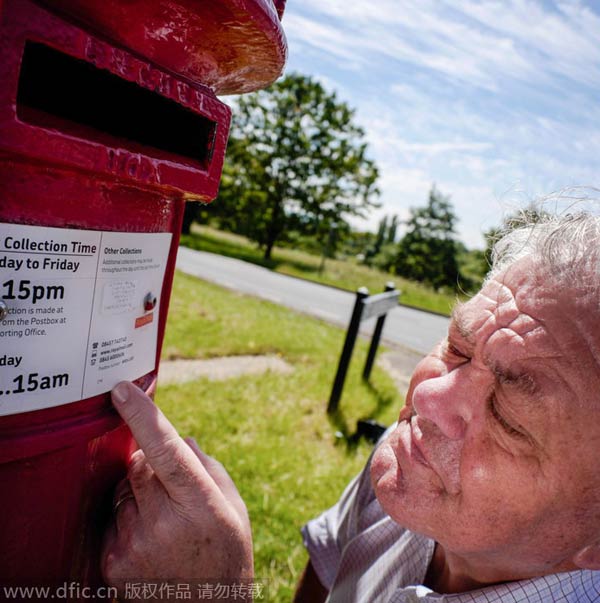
(565, 246)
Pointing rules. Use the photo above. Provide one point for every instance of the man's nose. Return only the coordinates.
(446, 401)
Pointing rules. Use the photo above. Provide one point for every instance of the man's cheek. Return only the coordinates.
(479, 480)
(449, 464)
(493, 495)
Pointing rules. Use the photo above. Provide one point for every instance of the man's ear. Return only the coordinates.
(588, 557)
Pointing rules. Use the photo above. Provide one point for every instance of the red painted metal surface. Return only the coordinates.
(59, 466)
(232, 46)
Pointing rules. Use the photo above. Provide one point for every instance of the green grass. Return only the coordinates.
(271, 431)
(345, 274)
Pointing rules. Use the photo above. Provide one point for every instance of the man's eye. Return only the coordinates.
(506, 426)
(454, 351)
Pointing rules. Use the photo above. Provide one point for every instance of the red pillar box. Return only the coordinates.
(108, 124)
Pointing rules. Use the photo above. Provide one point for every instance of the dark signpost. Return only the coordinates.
(365, 306)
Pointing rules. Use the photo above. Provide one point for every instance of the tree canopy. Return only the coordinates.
(295, 161)
(428, 250)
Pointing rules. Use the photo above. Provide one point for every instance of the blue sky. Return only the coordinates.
(497, 102)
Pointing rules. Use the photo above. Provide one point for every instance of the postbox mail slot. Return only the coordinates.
(77, 98)
(74, 101)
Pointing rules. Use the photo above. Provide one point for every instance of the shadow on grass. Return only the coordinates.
(247, 254)
(367, 428)
(384, 399)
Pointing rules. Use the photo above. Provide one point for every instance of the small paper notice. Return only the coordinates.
(119, 297)
(81, 312)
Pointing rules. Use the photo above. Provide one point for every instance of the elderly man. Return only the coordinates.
(486, 490)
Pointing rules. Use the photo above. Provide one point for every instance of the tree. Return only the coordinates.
(382, 251)
(428, 250)
(295, 160)
(392, 230)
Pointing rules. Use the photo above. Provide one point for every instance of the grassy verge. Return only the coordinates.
(344, 274)
(271, 431)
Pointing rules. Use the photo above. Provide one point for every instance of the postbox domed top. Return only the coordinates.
(231, 46)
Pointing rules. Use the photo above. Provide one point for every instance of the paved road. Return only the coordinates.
(413, 329)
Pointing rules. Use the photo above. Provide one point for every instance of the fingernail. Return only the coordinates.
(120, 393)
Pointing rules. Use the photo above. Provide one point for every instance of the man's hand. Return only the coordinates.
(178, 516)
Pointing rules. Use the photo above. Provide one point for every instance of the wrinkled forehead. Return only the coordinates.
(525, 289)
(540, 318)
(510, 301)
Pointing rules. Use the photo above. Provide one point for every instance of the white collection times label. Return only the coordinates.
(81, 312)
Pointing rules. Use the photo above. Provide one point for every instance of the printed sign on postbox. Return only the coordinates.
(80, 312)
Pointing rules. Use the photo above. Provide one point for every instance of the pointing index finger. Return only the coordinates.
(169, 456)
